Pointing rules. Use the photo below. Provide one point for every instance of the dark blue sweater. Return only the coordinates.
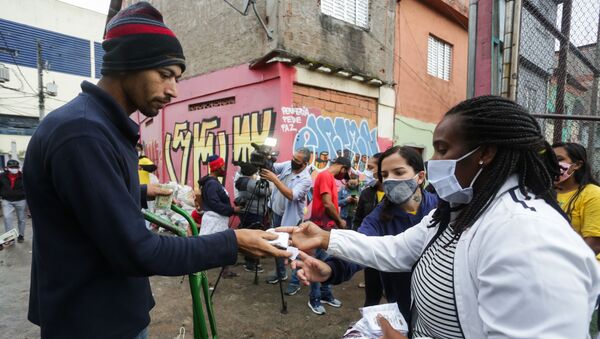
(395, 284)
(214, 197)
(92, 254)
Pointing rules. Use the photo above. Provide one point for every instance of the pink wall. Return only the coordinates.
(483, 63)
(223, 112)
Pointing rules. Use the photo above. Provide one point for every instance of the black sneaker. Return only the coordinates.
(249, 268)
(292, 289)
(20, 239)
(274, 279)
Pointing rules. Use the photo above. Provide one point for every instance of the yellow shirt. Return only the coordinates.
(585, 211)
(144, 177)
(380, 195)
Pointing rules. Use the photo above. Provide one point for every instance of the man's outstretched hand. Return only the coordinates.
(255, 243)
(311, 269)
(307, 236)
(154, 190)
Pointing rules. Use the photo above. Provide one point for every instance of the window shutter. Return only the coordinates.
(327, 7)
(339, 9)
(355, 12)
(439, 58)
(350, 11)
(362, 13)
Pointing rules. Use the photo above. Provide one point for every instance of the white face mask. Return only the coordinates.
(440, 174)
(369, 175)
(13, 170)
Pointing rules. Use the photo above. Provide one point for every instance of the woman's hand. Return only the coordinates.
(307, 236)
(311, 269)
(388, 331)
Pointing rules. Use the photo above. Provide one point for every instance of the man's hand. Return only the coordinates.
(342, 224)
(311, 269)
(155, 189)
(307, 236)
(268, 175)
(237, 209)
(388, 331)
(254, 243)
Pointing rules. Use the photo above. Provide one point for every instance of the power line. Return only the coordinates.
(16, 111)
(17, 90)
(16, 64)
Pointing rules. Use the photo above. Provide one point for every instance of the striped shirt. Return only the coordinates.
(434, 308)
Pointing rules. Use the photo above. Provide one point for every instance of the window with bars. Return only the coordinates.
(439, 58)
(355, 12)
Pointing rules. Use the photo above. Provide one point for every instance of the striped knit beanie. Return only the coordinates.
(137, 38)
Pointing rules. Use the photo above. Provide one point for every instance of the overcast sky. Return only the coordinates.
(100, 6)
(584, 21)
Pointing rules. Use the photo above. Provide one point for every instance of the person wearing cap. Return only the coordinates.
(146, 168)
(216, 204)
(13, 198)
(92, 253)
(326, 214)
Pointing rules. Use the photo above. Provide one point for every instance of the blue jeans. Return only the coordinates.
(320, 291)
(279, 262)
(9, 209)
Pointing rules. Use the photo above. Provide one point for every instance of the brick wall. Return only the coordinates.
(335, 103)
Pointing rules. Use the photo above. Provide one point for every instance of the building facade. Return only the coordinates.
(317, 75)
(69, 42)
(430, 69)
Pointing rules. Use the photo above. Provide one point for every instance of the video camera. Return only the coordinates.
(263, 156)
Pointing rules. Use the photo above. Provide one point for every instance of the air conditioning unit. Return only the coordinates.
(4, 74)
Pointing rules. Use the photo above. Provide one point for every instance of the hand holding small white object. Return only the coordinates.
(282, 242)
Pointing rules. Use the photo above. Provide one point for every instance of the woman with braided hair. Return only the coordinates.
(497, 258)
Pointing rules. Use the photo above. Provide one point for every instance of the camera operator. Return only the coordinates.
(292, 183)
(252, 200)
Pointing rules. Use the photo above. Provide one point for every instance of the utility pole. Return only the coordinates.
(40, 66)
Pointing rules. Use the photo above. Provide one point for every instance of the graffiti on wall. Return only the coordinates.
(194, 142)
(330, 137)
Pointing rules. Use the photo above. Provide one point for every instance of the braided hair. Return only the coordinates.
(583, 176)
(521, 150)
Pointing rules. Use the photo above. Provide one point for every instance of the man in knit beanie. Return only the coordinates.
(92, 253)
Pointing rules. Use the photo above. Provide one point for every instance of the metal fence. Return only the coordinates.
(559, 69)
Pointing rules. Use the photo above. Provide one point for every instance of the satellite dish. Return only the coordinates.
(246, 6)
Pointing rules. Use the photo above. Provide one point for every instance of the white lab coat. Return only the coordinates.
(519, 272)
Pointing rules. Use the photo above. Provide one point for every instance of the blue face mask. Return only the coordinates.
(440, 174)
(398, 191)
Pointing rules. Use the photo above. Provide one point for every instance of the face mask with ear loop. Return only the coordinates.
(398, 191)
(441, 174)
(564, 171)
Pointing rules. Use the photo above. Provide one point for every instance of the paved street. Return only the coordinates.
(244, 310)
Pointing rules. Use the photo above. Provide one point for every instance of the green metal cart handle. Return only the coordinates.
(197, 280)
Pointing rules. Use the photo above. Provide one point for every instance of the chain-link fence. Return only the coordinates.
(559, 70)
